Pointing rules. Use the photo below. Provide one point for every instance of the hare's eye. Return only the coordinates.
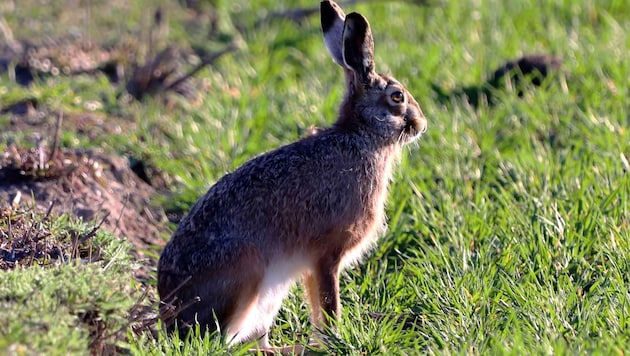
(397, 97)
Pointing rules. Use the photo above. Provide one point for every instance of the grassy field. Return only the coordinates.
(509, 222)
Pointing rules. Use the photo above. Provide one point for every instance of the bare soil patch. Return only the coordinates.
(87, 184)
(98, 188)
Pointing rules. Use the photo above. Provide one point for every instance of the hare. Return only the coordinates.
(305, 210)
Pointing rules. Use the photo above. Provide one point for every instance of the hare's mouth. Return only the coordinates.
(412, 130)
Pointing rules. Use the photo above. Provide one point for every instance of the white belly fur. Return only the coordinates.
(279, 277)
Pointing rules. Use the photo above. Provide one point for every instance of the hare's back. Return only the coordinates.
(302, 188)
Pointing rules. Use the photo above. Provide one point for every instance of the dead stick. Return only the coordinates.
(53, 149)
(204, 62)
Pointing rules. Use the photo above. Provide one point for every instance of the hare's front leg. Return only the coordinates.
(329, 290)
(312, 294)
(322, 288)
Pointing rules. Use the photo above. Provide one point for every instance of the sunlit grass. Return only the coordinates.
(508, 223)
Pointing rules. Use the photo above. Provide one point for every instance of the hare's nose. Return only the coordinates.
(415, 117)
(423, 123)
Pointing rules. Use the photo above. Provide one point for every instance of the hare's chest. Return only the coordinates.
(368, 228)
(372, 221)
(364, 244)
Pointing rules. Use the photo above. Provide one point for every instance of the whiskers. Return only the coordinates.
(404, 134)
(401, 138)
(413, 145)
(405, 137)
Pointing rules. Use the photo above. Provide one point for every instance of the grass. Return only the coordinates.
(67, 295)
(509, 224)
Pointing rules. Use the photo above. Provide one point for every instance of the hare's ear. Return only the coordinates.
(332, 26)
(358, 47)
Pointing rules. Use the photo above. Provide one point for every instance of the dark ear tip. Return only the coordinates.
(357, 20)
(328, 14)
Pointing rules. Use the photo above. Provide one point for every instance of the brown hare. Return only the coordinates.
(305, 210)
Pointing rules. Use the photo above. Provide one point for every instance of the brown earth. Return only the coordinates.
(101, 189)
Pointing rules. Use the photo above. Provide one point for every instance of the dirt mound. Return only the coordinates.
(96, 187)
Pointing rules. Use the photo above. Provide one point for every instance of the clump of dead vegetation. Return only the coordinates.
(25, 239)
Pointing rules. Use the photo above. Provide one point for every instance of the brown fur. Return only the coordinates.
(306, 209)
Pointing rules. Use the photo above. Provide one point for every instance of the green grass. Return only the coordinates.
(509, 224)
(59, 305)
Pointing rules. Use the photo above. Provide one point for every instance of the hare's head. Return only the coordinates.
(374, 102)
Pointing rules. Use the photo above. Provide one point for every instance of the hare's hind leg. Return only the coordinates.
(239, 282)
(224, 293)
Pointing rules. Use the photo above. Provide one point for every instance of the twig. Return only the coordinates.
(129, 322)
(180, 286)
(116, 227)
(92, 232)
(204, 62)
(40, 154)
(168, 310)
(149, 321)
(39, 229)
(10, 232)
(46, 216)
(174, 310)
(53, 149)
